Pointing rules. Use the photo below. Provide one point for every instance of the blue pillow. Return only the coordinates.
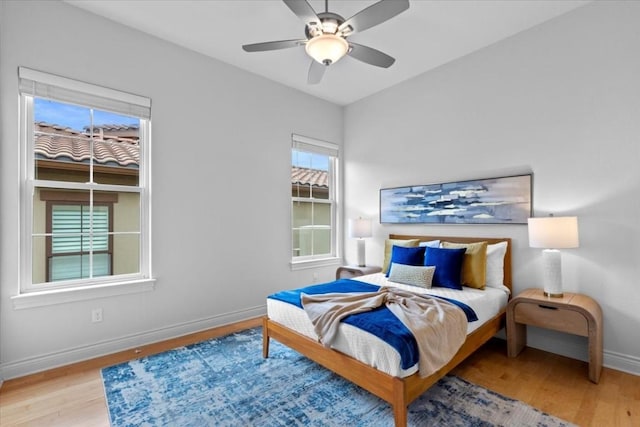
(406, 255)
(448, 263)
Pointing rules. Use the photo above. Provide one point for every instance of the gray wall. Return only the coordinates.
(221, 185)
(561, 100)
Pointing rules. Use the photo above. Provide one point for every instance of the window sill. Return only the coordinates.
(324, 262)
(62, 296)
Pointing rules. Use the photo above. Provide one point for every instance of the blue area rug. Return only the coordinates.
(226, 382)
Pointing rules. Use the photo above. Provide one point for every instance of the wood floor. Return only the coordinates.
(73, 395)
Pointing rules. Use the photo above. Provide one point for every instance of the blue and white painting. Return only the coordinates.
(503, 200)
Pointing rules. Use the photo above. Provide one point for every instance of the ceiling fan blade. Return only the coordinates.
(316, 71)
(303, 10)
(282, 44)
(375, 14)
(370, 55)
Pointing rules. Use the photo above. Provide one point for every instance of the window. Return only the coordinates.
(314, 166)
(68, 221)
(85, 204)
(68, 251)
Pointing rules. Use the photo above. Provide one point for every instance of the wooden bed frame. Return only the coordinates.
(398, 392)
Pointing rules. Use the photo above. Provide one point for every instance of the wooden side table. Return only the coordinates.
(348, 271)
(573, 313)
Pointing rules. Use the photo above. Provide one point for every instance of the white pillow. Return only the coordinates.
(430, 244)
(495, 264)
(412, 275)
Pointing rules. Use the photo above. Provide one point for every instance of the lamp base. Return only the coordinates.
(361, 255)
(554, 295)
(552, 273)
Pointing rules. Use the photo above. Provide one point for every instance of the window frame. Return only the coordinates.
(316, 146)
(48, 86)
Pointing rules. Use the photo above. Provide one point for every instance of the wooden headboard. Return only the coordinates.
(491, 240)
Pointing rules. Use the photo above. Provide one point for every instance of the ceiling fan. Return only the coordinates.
(327, 34)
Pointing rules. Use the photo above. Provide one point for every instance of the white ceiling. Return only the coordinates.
(430, 33)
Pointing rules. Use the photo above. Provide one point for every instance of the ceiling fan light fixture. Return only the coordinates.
(327, 48)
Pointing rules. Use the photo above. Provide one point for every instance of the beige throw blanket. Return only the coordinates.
(438, 326)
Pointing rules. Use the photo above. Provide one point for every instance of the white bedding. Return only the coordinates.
(372, 350)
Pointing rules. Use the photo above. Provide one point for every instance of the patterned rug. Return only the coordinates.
(226, 382)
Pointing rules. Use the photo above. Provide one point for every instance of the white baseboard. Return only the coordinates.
(78, 354)
(613, 360)
(622, 362)
(558, 343)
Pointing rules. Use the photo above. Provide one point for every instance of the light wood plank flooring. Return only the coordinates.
(73, 395)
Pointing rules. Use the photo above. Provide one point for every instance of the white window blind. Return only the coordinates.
(70, 228)
(71, 242)
(50, 86)
(310, 145)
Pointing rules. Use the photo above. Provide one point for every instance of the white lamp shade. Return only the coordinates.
(360, 228)
(327, 48)
(554, 232)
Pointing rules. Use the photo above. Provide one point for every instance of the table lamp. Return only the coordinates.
(359, 229)
(553, 233)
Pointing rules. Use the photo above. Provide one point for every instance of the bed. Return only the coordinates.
(397, 387)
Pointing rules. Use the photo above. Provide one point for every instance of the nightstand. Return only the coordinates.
(349, 271)
(572, 313)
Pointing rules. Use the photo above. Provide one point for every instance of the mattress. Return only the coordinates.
(372, 350)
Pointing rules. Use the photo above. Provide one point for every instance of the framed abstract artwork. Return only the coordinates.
(503, 200)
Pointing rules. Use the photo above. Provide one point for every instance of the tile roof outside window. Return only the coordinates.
(306, 176)
(55, 142)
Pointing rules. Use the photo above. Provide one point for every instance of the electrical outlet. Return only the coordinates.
(314, 278)
(96, 315)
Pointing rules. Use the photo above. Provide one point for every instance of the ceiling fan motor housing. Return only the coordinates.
(329, 23)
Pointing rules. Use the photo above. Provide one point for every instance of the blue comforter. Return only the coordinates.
(380, 322)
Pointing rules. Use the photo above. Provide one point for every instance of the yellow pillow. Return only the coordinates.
(388, 246)
(474, 264)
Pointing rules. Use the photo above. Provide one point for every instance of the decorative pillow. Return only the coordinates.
(448, 264)
(431, 244)
(495, 264)
(407, 256)
(389, 244)
(474, 264)
(411, 275)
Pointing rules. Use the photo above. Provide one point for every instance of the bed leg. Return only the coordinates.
(265, 338)
(399, 403)
(400, 416)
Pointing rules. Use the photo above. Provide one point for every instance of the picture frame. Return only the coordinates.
(501, 200)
